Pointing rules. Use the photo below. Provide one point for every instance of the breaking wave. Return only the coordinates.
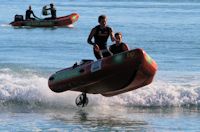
(29, 91)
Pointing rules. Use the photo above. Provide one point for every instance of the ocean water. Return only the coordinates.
(168, 30)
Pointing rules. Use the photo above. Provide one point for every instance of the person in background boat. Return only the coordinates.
(119, 46)
(53, 12)
(101, 33)
(44, 11)
(29, 12)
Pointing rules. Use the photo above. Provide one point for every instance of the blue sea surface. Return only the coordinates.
(168, 30)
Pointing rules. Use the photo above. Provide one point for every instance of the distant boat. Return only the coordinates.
(58, 22)
(109, 76)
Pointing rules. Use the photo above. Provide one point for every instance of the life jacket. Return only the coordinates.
(101, 36)
(115, 49)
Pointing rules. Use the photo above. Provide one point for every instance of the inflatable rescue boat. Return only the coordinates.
(109, 76)
(58, 22)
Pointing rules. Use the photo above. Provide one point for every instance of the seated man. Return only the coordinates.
(119, 46)
(53, 12)
(29, 12)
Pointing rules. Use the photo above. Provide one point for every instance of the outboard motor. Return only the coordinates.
(19, 18)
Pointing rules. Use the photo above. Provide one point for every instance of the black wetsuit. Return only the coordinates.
(53, 13)
(28, 14)
(115, 49)
(100, 38)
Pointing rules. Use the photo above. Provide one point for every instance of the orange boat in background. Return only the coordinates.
(58, 22)
(109, 76)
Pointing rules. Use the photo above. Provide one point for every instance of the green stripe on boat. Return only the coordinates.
(149, 59)
(60, 76)
(118, 58)
(74, 17)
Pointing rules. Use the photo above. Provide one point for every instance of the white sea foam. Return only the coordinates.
(33, 89)
(70, 26)
(5, 25)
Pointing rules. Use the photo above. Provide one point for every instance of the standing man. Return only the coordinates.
(52, 10)
(101, 33)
